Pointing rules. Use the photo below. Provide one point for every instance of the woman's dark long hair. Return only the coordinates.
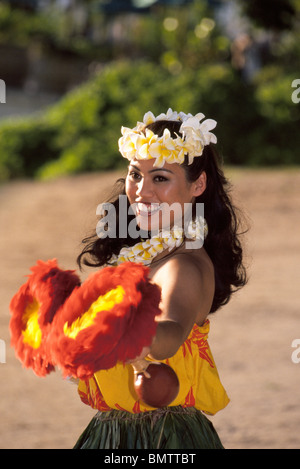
(222, 242)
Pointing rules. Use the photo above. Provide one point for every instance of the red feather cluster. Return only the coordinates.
(48, 286)
(116, 334)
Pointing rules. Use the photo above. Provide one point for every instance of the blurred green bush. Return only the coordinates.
(258, 124)
(25, 145)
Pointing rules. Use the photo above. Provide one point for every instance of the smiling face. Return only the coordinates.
(158, 195)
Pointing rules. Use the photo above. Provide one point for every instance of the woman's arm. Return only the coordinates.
(187, 288)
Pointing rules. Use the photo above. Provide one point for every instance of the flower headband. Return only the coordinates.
(195, 135)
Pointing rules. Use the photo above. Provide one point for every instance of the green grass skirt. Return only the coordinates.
(167, 428)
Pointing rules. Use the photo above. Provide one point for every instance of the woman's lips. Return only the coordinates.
(147, 209)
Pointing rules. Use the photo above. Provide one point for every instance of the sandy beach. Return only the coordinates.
(251, 337)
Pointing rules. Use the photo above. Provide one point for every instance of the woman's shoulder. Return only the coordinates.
(185, 261)
(187, 277)
(194, 257)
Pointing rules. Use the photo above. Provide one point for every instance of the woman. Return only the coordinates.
(172, 164)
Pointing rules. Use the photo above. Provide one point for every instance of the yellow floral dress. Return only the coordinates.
(200, 385)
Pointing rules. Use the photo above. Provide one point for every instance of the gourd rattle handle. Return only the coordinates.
(156, 384)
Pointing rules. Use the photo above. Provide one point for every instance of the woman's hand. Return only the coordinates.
(145, 351)
(139, 363)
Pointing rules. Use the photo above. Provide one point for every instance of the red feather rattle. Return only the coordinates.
(84, 328)
(32, 310)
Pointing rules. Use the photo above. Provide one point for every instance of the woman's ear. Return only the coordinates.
(199, 185)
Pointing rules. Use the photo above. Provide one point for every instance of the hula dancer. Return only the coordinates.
(195, 260)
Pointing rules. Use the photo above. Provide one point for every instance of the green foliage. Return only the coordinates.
(25, 145)
(257, 124)
(185, 65)
(278, 140)
(166, 30)
(89, 120)
(18, 27)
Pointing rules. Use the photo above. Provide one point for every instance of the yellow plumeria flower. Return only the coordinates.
(144, 143)
(196, 135)
(162, 149)
(137, 249)
(145, 251)
(157, 245)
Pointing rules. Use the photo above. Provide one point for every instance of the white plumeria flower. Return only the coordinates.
(196, 135)
(145, 251)
(183, 116)
(182, 149)
(137, 249)
(157, 244)
(170, 116)
(177, 232)
(191, 128)
(125, 130)
(200, 131)
(206, 126)
(122, 259)
(152, 251)
(145, 244)
(146, 255)
(170, 241)
(127, 148)
(149, 118)
(127, 143)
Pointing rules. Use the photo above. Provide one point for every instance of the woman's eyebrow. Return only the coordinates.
(151, 170)
(134, 167)
(160, 169)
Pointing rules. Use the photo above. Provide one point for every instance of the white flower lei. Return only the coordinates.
(145, 251)
(195, 136)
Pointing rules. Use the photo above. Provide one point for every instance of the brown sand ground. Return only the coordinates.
(250, 337)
